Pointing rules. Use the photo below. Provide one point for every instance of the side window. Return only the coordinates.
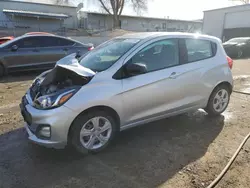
(65, 42)
(31, 42)
(158, 55)
(198, 49)
(49, 41)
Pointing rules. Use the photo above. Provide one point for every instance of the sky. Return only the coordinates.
(174, 9)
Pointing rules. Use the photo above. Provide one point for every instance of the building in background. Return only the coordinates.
(227, 23)
(18, 17)
(102, 21)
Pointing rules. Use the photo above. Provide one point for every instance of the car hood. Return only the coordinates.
(71, 63)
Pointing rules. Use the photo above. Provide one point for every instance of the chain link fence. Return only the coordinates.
(17, 28)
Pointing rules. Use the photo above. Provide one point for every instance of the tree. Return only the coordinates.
(243, 1)
(64, 2)
(115, 8)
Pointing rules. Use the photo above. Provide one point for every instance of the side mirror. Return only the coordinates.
(133, 69)
(14, 48)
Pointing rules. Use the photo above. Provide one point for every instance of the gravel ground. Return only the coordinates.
(183, 151)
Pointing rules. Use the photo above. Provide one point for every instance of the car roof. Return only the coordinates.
(39, 33)
(44, 35)
(246, 38)
(151, 35)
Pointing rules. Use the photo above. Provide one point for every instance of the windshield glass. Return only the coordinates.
(239, 40)
(105, 55)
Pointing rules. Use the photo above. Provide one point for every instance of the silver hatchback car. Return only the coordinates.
(125, 82)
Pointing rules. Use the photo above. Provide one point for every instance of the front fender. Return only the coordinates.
(97, 94)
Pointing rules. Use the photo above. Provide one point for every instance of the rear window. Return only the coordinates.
(198, 49)
(65, 42)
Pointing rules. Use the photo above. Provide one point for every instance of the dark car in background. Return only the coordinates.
(29, 52)
(237, 47)
(5, 39)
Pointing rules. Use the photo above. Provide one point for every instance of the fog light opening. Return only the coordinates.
(45, 132)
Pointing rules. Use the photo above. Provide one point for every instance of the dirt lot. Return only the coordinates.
(183, 151)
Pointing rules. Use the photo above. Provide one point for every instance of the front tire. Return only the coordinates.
(92, 132)
(218, 101)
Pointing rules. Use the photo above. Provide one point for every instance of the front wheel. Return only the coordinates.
(92, 132)
(218, 101)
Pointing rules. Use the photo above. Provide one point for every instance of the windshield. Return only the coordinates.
(107, 54)
(238, 40)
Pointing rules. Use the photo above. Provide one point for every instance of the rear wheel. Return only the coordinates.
(218, 100)
(93, 132)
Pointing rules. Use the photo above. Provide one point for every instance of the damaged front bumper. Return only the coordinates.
(46, 143)
(47, 127)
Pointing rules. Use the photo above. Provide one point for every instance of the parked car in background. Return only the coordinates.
(125, 82)
(5, 39)
(237, 47)
(29, 52)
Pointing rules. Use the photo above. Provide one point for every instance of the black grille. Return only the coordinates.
(24, 101)
(26, 115)
(32, 94)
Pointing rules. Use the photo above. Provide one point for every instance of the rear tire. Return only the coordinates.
(92, 132)
(218, 101)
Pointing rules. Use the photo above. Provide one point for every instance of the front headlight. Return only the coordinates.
(54, 100)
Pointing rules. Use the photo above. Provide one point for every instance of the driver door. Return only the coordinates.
(25, 55)
(157, 92)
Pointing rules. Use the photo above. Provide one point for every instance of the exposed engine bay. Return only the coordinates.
(56, 80)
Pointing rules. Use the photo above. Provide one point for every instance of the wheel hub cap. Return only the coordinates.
(221, 100)
(95, 133)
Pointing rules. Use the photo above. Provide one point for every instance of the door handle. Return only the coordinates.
(173, 75)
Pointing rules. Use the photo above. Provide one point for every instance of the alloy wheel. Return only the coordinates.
(220, 100)
(95, 133)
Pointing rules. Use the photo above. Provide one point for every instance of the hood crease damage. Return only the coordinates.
(60, 79)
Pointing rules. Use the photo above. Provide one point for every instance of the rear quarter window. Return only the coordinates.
(65, 42)
(198, 49)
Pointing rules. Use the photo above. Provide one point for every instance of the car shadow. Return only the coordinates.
(145, 156)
